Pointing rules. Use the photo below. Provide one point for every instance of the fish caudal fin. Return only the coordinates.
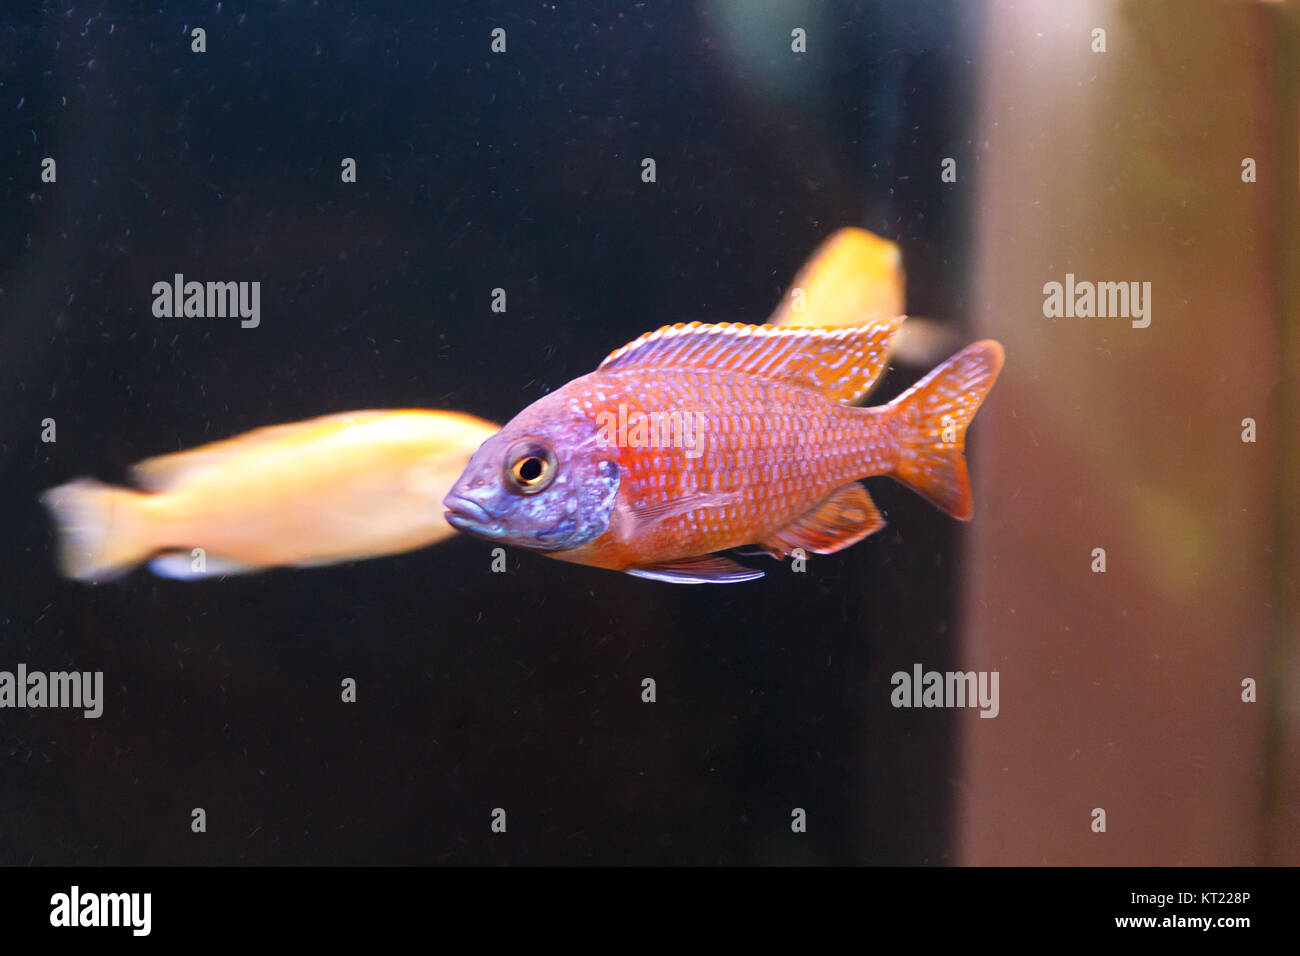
(931, 418)
(99, 529)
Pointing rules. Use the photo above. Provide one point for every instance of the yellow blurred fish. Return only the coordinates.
(336, 488)
(855, 277)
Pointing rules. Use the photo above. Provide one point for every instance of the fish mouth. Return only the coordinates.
(465, 514)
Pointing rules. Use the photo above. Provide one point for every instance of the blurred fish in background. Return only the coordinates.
(336, 488)
(856, 277)
(853, 277)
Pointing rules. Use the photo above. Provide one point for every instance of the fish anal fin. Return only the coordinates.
(840, 363)
(704, 569)
(845, 518)
(179, 566)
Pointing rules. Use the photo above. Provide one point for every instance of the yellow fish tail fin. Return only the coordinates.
(931, 418)
(100, 529)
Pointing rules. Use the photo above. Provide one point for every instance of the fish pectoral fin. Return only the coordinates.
(636, 521)
(705, 569)
(179, 566)
(845, 518)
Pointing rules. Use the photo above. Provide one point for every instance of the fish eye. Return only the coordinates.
(530, 466)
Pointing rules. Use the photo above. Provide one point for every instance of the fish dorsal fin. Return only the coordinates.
(852, 278)
(842, 363)
(845, 518)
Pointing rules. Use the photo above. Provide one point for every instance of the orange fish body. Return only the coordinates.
(335, 488)
(699, 438)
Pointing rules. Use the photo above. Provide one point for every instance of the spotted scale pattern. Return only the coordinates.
(768, 453)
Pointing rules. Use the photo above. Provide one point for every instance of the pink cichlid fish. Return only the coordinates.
(700, 438)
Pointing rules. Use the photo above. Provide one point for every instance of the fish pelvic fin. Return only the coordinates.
(100, 529)
(931, 419)
(840, 363)
(704, 569)
(845, 518)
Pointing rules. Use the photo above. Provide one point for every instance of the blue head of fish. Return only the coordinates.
(546, 481)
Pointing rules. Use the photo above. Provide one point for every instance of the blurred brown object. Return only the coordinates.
(1123, 690)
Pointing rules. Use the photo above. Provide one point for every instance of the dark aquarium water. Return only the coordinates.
(1129, 575)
